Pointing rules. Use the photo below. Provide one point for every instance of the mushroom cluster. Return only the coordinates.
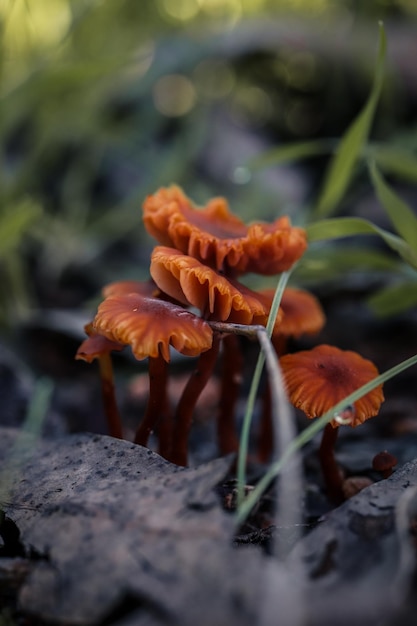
(194, 289)
(201, 255)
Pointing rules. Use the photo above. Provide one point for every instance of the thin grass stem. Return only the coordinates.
(289, 489)
(250, 403)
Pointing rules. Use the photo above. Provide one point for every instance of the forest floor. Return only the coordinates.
(101, 531)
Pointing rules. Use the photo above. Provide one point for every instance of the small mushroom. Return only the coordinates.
(216, 237)
(145, 288)
(100, 348)
(302, 314)
(150, 326)
(318, 379)
(384, 462)
(355, 484)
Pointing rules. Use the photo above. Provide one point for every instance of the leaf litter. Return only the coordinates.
(114, 534)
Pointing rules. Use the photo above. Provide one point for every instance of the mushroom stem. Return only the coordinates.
(332, 473)
(114, 422)
(184, 413)
(230, 385)
(157, 408)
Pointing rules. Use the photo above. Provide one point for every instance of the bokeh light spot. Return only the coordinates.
(252, 104)
(214, 79)
(174, 95)
(34, 24)
(179, 10)
(241, 175)
(228, 11)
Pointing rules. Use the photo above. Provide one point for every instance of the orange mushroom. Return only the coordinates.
(216, 237)
(318, 379)
(99, 347)
(147, 288)
(302, 314)
(150, 326)
(384, 462)
(143, 287)
(217, 297)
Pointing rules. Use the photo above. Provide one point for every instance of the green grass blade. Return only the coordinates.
(250, 403)
(394, 160)
(400, 214)
(342, 258)
(342, 165)
(334, 228)
(292, 152)
(306, 435)
(290, 489)
(394, 299)
(15, 222)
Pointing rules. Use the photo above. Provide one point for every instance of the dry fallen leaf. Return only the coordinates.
(354, 561)
(111, 521)
(111, 533)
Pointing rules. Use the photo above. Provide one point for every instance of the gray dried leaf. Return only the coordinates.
(113, 524)
(354, 561)
(123, 537)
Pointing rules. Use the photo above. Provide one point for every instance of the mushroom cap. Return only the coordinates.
(95, 346)
(144, 287)
(355, 484)
(192, 283)
(384, 461)
(216, 237)
(301, 312)
(150, 326)
(318, 379)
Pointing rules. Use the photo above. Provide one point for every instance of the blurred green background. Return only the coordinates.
(104, 101)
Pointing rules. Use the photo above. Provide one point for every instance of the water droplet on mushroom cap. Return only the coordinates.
(346, 415)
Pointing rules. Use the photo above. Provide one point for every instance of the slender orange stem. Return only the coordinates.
(229, 393)
(184, 413)
(114, 422)
(266, 428)
(332, 473)
(157, 408)
(165, 426)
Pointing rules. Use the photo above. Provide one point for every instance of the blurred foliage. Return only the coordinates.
(351, 149)
(101, 102)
